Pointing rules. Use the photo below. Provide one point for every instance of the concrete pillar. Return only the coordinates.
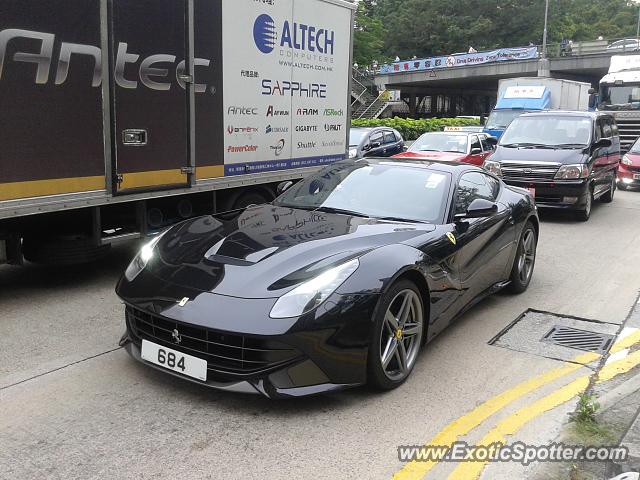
(544, 70)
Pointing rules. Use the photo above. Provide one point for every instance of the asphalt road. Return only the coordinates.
(74, 405)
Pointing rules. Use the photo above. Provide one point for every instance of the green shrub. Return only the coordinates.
(411, 129)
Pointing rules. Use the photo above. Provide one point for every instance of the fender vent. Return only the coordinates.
(579, 339)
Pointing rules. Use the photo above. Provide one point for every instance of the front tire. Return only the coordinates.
(585, 213)
(525, 260)
(399, 328)
(608, 197)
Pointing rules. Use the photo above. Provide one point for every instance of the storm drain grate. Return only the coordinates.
(579, 339)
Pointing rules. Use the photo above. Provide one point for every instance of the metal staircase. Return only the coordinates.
(367, 103)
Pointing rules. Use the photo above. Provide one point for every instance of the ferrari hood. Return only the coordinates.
(266, 250)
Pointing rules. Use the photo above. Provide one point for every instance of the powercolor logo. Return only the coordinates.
(296, 36)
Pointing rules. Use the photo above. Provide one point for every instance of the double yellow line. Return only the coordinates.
(514, 422)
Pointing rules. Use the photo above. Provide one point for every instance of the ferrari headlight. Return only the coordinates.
(353, 152)
(142, 259)
(572, 172)
(626, 160)
(493, 167)
(312, 293)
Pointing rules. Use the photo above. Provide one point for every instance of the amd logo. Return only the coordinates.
(153, 72)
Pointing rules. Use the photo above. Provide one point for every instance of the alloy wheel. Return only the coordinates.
(527, 256)
(401, 335)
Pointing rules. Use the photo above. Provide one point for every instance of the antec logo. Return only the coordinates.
(295, 36)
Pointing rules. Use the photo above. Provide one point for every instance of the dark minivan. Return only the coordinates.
(374, 142)
(565, 159)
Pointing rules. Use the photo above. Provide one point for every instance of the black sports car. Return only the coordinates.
(339, 282)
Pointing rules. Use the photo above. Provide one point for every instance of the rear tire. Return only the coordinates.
(247, 199)
(608, 197)
(399, 329)
(623, 186)
(525, 261)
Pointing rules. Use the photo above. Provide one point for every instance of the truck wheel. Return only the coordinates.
(63, 250)
(249, 198)
(608, 197)
(585, 213)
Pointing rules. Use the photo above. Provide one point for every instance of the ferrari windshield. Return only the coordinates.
(440, 142)
(379, 190)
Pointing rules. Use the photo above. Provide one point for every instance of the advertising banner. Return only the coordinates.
(461, 60)
(286, 71)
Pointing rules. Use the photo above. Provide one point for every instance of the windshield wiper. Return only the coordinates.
(528, 145)
(341, 211)
(570, 145)
(400, 219)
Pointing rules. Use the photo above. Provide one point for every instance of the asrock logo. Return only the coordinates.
(332, 112)
(293, 36)
(278, 148)
(153, 71)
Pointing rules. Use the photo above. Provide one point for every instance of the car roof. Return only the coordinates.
(370, 129)
(565, 113)
(454, 133)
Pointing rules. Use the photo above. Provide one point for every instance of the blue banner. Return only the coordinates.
(461, 60)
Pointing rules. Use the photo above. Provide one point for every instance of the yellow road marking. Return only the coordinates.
(514, 422)
(463, 425)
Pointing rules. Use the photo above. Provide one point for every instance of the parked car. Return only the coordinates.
(626, 45)
(453, 146)
(565, 159)
(629, 171)
(337, 283)
(374, 142)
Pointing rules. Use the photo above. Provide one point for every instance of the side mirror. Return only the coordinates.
(375, 145)
(283, 187)
(405, 148)
(476, 151)
(592, 91)
(602, 143)
(366, 148)
(479, 208)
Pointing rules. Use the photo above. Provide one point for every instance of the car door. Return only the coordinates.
(486, 244)
(476, 155)
(600, 157)
(487, 148)
(376, 144)
(391, 144)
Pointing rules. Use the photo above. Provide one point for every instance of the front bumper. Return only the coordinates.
(627, 175)
(323, 351)
(561, 194)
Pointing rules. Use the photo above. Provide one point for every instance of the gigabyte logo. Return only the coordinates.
(242, 111)
(292, 89)
(306, 128)
(153, 71)
(231, 130)
(293, 36)
(242, 148)
(329, 127)
(272, 112)
(307, 112)
(277, 149)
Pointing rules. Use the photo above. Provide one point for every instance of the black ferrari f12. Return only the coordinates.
(338, 282)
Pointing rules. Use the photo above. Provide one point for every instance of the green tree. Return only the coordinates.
(369, 34)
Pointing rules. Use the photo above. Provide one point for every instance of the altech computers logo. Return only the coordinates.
(294, 36)
(264, 33)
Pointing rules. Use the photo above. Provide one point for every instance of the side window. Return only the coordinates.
(376, 137)
(486, 146)
(614, 127)
(389, 137)
(606, 128)
(474, 185)
(475, 143)
(599, 131)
